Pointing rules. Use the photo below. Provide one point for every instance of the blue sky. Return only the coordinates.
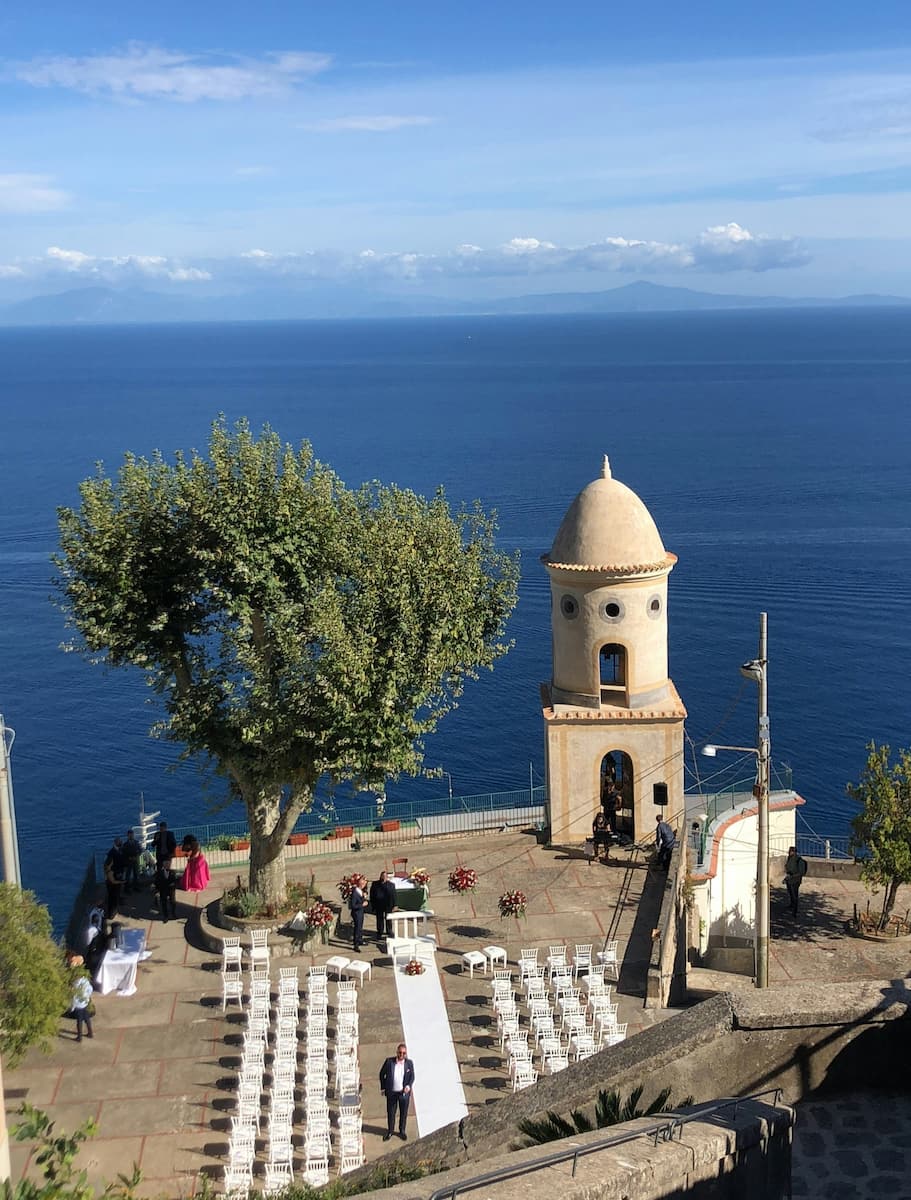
(464, 149)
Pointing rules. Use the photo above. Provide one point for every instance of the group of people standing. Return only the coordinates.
(122, 863)
(381, 903)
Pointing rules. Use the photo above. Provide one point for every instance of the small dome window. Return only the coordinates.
(569, 607)
(611, 610)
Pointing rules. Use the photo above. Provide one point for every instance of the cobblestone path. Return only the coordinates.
(853, 1148)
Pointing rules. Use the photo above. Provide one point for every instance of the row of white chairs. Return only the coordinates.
(258, 950)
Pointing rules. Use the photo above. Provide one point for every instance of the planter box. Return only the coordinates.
(389, 826)
(298, 839)
(241, 844)
(344, 831)
(178, 853)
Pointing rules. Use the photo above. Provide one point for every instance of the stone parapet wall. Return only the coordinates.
(739, 1153)
(799, 1039)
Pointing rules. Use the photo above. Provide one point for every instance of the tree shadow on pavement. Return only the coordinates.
(819, 917)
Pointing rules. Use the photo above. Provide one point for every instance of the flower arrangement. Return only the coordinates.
(347, 884)
(318, 915)
(420, 877)
(513, 904)
(463, 879)
(414, 967)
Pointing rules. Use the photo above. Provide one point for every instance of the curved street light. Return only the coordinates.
(757, 669)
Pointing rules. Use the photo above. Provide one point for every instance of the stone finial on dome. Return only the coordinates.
(605, 468)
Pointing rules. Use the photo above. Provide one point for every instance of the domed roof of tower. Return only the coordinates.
(608, 528)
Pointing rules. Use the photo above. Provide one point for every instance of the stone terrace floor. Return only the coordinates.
(159, 1074)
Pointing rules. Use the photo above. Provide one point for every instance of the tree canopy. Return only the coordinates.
(34, 978)
(882, 830)
(295, 629)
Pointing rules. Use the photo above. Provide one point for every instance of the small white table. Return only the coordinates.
(472, 959)
(404, 923)
(337, 963)
(359, 967)
(117, 970)
(495, 954)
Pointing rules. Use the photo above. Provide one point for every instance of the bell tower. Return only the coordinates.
(613, 722)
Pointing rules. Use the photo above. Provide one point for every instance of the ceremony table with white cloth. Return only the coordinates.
(117, 970)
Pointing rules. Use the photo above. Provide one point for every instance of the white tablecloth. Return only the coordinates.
(117, 972)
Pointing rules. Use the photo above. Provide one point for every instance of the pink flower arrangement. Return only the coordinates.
(420, 877)
(463, 879)
(414, 967)
(318, 915)
(347, 884)
(513, 904)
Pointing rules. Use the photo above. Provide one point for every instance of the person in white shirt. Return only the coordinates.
(396, 1079)
(81, 1006)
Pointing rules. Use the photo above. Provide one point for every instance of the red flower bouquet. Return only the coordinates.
(513, 904)
(463, 879)
(413, 967)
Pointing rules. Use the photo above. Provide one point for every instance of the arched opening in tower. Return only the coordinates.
(612, 662)
(617, 792)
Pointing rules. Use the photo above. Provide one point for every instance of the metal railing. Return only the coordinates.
(815, 846)
(661, 1131)
(367, 818)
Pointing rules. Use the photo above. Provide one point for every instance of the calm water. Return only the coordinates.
(771, 447)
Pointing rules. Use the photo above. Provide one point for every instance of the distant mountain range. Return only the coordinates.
(111, 306)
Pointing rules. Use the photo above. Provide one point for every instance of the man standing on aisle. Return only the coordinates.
(396, 1079)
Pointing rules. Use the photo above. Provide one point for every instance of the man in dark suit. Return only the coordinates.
(382, 902)
(396, 1079)
(165, 843)
(356, 905)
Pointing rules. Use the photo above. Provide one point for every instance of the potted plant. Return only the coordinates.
(389, 826)
(344, 831)
(298, 839)
(241, 843)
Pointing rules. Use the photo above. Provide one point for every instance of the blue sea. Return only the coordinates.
(771, 447)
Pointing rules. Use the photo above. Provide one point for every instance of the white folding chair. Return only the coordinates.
(238, 1181)
(582, 958)
(524, 1077)
(316, 1168)
(231, 954)
(232, 988)
(616, 1035)
(608, 958)
(279, 1176)
(259, 947)
(527, 959)
(556, 1062)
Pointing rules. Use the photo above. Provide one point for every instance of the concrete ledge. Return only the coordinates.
(281, 944)
(806, 1005)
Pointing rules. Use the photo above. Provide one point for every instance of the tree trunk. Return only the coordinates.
(268, 836)
(888, 902)
(267, 872)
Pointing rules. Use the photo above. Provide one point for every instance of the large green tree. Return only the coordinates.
(295, 630)
(882, 829)
(34, 979)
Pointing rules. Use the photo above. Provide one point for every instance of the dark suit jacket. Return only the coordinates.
(164, 847)
(356, 902)
(382, 896)
(386, 1074)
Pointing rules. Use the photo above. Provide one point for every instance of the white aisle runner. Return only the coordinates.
(438, 1098)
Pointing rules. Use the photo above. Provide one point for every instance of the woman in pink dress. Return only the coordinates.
(196, 873)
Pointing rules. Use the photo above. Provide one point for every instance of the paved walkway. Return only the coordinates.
(853, 1148)
(159, 1076)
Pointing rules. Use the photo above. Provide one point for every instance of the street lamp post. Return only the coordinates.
(758, 670)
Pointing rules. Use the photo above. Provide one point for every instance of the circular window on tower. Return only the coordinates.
(654, 607)
(611, 610)
(569, 607)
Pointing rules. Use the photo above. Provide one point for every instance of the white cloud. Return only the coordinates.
(152, 72)
(110, 269)
(720, 248)
(381, 123)
(10, 272)
(24, 193)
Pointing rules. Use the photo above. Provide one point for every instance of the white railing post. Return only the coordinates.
(828, 849)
